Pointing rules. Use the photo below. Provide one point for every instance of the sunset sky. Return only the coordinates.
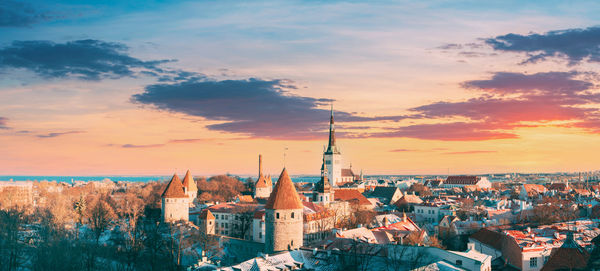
(156, 87)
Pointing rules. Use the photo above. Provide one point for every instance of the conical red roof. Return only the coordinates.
(284, 195)
(261, 182)
(188, 182)
(174, 189)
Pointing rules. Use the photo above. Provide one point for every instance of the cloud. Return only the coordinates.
(83, 59)
(254, 107)
(21, 14)
(454, 131)
(132, 146)
(4, 123)
(575, 45)
(508, 101)
(172, 141)
(57, 134)
(470, 152)
(402, 150)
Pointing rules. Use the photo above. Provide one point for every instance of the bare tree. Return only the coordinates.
(244, 215)
(12, 247)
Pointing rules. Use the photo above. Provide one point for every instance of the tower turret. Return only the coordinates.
(189, 187)
(263, 185)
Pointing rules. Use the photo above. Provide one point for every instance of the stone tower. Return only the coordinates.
(206, 222)
(332, 156)
(323, 192)
(263, 186)
(283, 217)
(175, 203)
(190, 188)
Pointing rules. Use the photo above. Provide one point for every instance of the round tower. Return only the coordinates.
(175, 203)
(283, 217)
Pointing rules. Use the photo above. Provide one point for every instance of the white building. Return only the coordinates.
(462, 181)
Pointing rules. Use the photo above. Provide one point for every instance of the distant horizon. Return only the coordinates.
(293, 175)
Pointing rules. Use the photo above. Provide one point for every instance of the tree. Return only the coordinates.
(420, 189)
(80, 207)
(12, 254)
(244, 215)
(99, 218)
(130, 210)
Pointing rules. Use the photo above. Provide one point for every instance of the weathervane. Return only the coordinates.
(284, 154)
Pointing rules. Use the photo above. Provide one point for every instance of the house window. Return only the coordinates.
(459, 262)
(259, 234)
(277, 214)
(546, 259)
(292, 214)
(533, 262)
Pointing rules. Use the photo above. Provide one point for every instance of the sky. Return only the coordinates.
(418, 87)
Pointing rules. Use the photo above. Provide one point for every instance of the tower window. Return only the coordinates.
(277, 215)
(292, 214)
(292, 243)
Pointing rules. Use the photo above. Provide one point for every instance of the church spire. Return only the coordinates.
(332, 148)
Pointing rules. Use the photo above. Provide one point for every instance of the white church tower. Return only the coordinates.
(333, 157)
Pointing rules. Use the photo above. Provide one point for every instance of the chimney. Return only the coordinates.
(259, 165)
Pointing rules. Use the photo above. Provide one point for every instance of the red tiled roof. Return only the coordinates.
(188, 182)
(489, 237)
(570, 256)
(206, 214)
(351, 195)
(408, 199)
(174, 189)
(347, 172)
(462, 180)
(259, 214)
(284, 195)
(538, 188)
(558, 186)
(244, 198)
(263, 182)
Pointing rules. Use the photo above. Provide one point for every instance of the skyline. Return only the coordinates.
(147, 88)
